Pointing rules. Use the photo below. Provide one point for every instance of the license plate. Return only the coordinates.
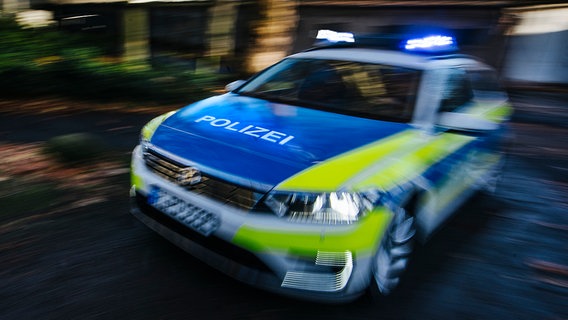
(200, 220)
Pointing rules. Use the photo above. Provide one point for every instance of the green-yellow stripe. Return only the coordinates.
(399, 158)
(333, 173)
(500, 113)
(362, 239)
(136, 181)
(496, 113)
(413, 164)
(150, 127)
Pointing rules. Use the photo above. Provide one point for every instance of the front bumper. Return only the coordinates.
(313, 262)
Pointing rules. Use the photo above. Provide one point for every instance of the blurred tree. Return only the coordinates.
(274, 33)
(220, 31)
(44, 62)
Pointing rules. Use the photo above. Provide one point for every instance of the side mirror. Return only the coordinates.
(465, 122)
(234, 85)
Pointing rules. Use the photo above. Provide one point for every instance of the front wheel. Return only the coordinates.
(394, 252)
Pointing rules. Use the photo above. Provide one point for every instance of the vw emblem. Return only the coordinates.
(189, 176)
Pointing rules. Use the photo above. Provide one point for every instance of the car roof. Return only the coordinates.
(392, 57)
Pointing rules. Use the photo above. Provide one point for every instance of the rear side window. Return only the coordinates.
(484, 81)
(485, 85)
(458, 91)
(465, 88)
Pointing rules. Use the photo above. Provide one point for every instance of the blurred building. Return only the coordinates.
(538, 46)
(246, 36)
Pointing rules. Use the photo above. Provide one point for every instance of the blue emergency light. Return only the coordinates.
(432, 43)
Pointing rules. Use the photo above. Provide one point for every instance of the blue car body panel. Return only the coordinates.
(261, 141)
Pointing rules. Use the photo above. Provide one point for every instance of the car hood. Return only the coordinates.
(252, 141)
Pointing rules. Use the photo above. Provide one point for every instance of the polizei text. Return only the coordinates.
(250, 130)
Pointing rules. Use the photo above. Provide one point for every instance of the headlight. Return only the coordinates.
(329, 207)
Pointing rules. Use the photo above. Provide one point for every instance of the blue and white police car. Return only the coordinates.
(316, 177)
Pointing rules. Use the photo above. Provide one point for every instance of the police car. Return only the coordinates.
(318, 176)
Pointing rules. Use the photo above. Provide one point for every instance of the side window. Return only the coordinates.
(484, 82)
(458, 91)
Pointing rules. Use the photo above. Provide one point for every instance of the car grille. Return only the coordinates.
(208, 186)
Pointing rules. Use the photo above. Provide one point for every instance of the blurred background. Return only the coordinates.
(79, 78)
(525, 39)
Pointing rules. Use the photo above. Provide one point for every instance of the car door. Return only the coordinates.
(452, 179)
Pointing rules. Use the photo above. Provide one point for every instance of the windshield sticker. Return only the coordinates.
(249, 129)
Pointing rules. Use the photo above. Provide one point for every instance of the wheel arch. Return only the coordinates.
(415, 202)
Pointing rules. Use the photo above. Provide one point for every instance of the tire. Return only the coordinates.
(393, 254)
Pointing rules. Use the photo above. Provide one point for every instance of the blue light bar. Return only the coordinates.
(334, 37)
(434, 43)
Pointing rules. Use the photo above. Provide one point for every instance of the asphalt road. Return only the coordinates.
(504, 257)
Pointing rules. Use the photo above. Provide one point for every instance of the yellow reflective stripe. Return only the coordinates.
(414, 164)
(499, 114)
(496, 113)
(136, 181)
(150, 127)
(363, 238)
(333, 173)
(382, 164)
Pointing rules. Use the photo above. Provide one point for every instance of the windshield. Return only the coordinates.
(363, 89)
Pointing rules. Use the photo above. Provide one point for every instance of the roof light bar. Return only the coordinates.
(333, 36)
(435, 43)
(430, 44)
